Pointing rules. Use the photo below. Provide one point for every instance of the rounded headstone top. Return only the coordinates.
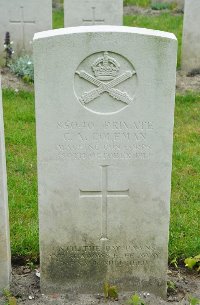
(103, 29)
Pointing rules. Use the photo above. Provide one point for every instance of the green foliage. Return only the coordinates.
(171, 287)
(23, 67)
(110, 292)
(194, 301)
(192, 262)
(6, 293)
(160, 6)
(135, 300)
(174, 262)
(31, 265)
(10, 300)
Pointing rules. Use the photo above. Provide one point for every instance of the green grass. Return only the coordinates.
(21, 163)
(164, 22)
(142, 3)
(58, 19)
(21, 166)
(185, 210)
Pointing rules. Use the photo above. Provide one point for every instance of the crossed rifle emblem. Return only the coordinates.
(108, 87)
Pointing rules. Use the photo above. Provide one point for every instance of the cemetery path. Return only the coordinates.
(25, 288)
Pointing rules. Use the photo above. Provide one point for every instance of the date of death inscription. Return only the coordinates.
(120, 140)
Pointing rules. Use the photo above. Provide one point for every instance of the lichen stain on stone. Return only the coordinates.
(66, 264)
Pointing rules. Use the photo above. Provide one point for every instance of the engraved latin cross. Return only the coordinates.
(22, 22)
(93, 21)
(104, 194)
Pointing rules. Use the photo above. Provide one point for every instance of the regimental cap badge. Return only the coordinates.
(105, 68)
(106, 78)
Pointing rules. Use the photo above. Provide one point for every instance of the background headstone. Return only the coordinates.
(5, 260)
(191, 36)
(22, 19)
(104, 110)
(93, 12)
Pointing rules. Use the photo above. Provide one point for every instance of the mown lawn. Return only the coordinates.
(19, 120)
(185, 208)
(22, 175)
(58, 19)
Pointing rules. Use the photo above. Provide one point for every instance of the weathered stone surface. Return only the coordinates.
(93, 12)
(22, 19)
(104, 110)
(191, 36)
(5, 262)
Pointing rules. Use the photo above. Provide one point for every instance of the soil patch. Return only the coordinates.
(187, 83)
(26, 289)
(11, 81)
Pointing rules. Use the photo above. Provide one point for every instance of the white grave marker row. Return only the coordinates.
(23, 18)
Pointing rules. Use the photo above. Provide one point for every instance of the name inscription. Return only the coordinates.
(108, 140)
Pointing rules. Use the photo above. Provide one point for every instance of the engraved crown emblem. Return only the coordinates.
(105, 68)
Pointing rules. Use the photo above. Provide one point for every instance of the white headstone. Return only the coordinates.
(191, 36)
(22, 19)
(93, 12)
(5, 260)
(105, 109)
